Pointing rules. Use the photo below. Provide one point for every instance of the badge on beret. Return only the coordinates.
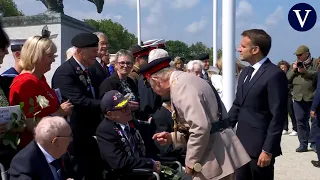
(197, 167)
(123, 139)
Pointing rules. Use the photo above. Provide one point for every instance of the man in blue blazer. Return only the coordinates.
(260, 106)
(41, 159)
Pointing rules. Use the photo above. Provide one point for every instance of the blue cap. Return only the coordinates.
(113, 100)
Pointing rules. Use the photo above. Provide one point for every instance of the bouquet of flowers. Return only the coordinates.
(16, 124)
(169, 173)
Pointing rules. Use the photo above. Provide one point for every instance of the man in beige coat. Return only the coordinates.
(213, 150)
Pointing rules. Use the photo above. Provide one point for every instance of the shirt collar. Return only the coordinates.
(258, 64)
(124, 126)
(48, 157)
(98, 59)
(82, 66)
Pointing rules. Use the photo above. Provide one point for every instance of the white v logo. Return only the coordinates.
(299, 17)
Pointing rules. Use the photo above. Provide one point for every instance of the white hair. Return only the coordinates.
(70, 52)
(157, 54)
(192, 63)
(48, 128)
(99, 34)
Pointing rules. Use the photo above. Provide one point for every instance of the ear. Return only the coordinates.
(54, 140)
(255, 50)
(17, 54)
(109, 114)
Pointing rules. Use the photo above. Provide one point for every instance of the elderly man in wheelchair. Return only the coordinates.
(122, 147)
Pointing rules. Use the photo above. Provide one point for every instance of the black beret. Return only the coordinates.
(137, 50)
(203, 57)
(154, 66)
(84, 40)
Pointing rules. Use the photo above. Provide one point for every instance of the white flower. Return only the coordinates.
(42, 101)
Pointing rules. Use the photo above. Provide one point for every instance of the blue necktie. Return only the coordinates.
(57, 166)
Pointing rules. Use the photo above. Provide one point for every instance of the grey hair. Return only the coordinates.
(48, 128)
(123, 52)
(99, 34)
(191, 64)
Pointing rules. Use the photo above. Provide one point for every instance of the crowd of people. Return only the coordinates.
(144, 112)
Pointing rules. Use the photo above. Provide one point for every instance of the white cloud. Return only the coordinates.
(244, 9)
(196, 26)
(184, 3)
(275, 17)
(118, 17)
(155, 13)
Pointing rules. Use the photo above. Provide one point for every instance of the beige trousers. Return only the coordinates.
(229, 177)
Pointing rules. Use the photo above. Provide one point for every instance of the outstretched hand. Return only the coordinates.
(163, 138)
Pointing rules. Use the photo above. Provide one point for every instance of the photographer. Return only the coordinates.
(302, 77)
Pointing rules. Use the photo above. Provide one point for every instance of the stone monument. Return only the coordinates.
(62, 28)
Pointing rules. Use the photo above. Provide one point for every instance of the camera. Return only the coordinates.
(300, 64)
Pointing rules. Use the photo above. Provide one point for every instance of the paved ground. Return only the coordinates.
(295, 166)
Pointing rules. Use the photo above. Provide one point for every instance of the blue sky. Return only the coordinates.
(191, 20)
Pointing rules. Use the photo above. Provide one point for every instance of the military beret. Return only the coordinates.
(139, 51)
(301, 49)
(203, 57)
(154, 66)
(84, 40)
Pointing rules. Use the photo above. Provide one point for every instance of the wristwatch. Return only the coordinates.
(197, 167)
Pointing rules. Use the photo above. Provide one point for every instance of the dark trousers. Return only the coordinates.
(317, 141)
(302, 113)
(252, 171)
(291, 114)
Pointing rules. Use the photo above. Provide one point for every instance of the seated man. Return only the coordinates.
(41, 158)
(120, 143)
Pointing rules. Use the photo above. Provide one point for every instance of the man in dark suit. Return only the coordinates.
(74, 81)
(41, 159)
(260, 107)
(100, 69)
(120, 143)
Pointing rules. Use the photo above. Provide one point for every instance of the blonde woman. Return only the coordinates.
(216, 79)
(31, 88)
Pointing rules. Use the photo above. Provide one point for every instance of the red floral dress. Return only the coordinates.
(24, 87)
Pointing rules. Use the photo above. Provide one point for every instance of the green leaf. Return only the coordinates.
(31, 102)
(31, 109)
(18, 141)
(21, 105)
(176, 177)
(168, 172)
(15, 116)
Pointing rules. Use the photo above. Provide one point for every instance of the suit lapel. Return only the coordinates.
(82, 76)
(254, 79)
(46, 167)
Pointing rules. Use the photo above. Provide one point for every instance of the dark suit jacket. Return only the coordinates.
(113, 83)
(99, 74)
(86, 114)
(113, 150)
(316, 100)
(31, 164)
(262, 110)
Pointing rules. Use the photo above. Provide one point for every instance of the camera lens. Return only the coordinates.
(300, 65)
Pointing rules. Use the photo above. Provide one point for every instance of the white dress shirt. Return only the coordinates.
(256, 67)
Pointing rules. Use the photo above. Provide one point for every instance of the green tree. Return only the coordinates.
(119, 37)
(177, 48)
(9, 8)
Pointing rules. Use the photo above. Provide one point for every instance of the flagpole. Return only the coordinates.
(228, 43)
(138, 23)
(214, 40)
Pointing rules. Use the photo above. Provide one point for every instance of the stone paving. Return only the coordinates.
(295, 166)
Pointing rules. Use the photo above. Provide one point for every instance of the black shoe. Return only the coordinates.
(316, 163)
(313, 147)
(302, 149)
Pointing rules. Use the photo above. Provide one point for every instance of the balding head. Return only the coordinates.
(157, 54)
(54, 135)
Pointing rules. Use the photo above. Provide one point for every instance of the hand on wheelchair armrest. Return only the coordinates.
(142, 171)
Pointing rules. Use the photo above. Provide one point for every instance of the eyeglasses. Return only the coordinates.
(69, 136)
(122, 63)
(298, 55)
